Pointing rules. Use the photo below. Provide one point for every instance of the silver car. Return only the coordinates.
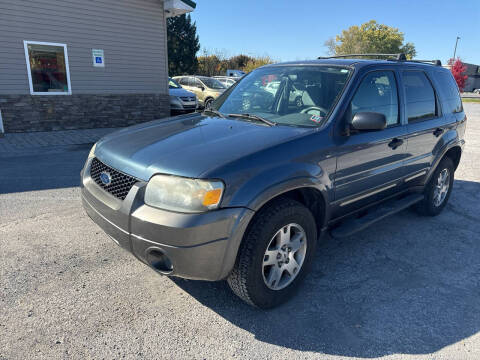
(181, 100)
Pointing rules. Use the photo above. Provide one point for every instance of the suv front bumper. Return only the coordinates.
(199, 246)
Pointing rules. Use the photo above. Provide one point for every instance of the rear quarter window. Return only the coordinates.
(449, 92)
(419, 96)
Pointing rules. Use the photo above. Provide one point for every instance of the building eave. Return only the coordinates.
(178, 7)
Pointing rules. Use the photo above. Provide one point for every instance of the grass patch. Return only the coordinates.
(471, 100)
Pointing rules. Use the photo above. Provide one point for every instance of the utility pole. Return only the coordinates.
(455, 51)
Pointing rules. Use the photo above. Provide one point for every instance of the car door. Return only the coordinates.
(371, 162)
(426, 122)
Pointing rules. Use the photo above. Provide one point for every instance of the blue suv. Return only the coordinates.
(244, 190)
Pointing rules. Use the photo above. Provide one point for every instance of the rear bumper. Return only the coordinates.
(199, 246)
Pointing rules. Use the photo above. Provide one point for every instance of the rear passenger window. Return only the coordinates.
(420, 96)
(183, 81)
(196, 82)
(449, 90)
(378, 93)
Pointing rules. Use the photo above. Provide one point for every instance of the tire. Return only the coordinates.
(249, 277)
(208, 103)
(430, 205)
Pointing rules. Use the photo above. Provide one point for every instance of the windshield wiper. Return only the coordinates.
(253, 117)
(215, 112)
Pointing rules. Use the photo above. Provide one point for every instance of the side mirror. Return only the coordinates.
(201, 87)
(364, 121)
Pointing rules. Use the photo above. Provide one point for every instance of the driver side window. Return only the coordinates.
(378, 93)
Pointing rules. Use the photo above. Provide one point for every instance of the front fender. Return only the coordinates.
(260, 189)
(268, 184)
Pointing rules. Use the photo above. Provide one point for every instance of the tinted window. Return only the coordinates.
(420, 97)
(378, 93)
(212, 83)
(172, 84)
(196, 82)
(183, 81)
(191, 81)
(449, 90)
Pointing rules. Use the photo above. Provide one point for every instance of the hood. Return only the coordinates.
(187, 145)
(180, 92)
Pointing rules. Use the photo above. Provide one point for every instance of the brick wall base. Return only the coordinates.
(22, 113)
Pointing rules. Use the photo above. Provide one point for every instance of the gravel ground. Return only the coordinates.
(407, 288)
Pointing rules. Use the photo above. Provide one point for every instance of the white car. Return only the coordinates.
(226, 80)
(296, 96)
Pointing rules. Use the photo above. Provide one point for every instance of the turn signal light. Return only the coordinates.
(212, 197)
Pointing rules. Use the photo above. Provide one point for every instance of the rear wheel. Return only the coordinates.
(438, 189)
(275, 254)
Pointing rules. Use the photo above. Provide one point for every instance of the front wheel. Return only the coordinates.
(208, 103)
(438, 189)
(275, 254)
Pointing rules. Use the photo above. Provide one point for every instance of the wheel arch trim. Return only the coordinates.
(449, 146)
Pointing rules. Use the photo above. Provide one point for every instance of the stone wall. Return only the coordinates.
(23, 113)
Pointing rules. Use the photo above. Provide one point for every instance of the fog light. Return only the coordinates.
(159, 261)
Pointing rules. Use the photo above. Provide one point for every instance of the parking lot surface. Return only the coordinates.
(407, 288)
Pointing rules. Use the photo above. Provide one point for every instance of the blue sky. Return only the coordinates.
(293, 30)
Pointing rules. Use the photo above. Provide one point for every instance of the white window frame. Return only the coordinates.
(29, 70)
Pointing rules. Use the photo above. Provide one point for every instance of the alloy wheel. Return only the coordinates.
(284, 256)
(441, 188)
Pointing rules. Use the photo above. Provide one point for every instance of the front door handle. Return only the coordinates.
(438, 132)
(395, 143)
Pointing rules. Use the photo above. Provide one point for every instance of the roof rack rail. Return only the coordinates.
(393, 57)
(399, 57)
(433, 62)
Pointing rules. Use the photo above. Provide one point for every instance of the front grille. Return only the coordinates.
(120, 183)
(187, 98)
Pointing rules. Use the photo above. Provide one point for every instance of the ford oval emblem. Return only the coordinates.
(105, 178)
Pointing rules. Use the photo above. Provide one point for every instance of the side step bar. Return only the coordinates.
(353, 225)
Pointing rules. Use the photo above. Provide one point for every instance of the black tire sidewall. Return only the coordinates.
(260, 294)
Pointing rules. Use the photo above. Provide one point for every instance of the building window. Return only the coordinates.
(47, 67)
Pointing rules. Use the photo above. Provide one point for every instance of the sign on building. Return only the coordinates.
(98, 58)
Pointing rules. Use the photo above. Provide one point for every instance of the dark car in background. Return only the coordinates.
(244, 190)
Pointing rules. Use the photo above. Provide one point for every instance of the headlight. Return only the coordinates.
(183, 194)
(92, 151)
(175, 100)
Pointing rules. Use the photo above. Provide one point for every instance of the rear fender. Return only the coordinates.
(450, 140)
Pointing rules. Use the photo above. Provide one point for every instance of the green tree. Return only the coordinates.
(370, 37)
(183, 45)
(238, 61)
(212, 63)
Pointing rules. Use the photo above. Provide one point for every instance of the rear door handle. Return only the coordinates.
(438, 132)
(395, 143)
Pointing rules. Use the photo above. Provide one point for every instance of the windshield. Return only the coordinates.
(290, 95)
(172, 84)
(212, 83)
